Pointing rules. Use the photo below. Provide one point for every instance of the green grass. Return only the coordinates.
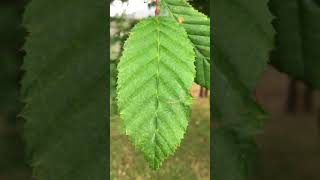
(190, 162)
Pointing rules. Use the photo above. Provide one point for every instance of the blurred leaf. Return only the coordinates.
(298, 39)
(156, 72)
(64, 89)
(243, 37)
(235, 156)
(11, 39)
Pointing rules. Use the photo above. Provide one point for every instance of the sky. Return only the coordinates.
(133, 8)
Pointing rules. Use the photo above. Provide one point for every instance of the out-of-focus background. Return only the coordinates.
(12, 160)
(192, 159)
(290, 144)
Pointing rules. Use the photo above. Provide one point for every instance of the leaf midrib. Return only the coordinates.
(157, 90)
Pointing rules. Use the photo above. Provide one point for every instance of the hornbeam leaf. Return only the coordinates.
(298, 39)
(64, 89)
(235, 158)
(197, 26)
(243, 39)
(155, 74)
(11, 40)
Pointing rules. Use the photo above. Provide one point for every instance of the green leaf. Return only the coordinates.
(11, 40)
(243, 38)
(235, 108)
(236, 156)
(64, 89)
(298, 39)
(197, 26)
(155, 74)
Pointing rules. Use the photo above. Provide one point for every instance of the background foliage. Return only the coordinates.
(64, 89)
(243, 39)
(298, 38)
(11, 39)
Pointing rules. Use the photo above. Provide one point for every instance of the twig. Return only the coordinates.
(157, 12)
